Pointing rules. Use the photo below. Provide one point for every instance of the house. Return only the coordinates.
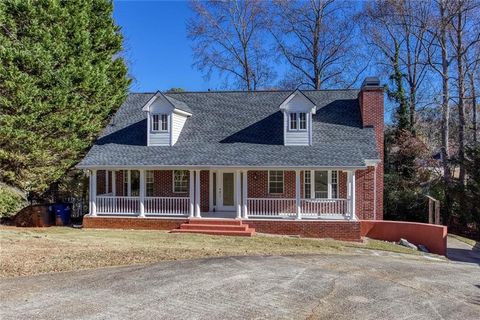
(306, 162)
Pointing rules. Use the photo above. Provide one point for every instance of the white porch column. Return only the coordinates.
(297, 194)
(142, 193)
(114, 183)
(197, 193)
(238, 193)
(93, 192)
(245, 194)
(351, 193)
(191, 185)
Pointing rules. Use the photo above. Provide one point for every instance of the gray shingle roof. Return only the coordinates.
(238, 129)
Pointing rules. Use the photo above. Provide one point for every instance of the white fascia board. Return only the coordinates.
(182, 113)
(213, 167)
(147, 105)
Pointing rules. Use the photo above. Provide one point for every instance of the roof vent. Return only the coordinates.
(371, 82)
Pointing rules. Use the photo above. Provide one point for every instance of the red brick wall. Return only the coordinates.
(372, 111)
(163, 184)
(204, 190)
(132, 223)
(258, 188)
(119, 183)
(101, 177)
(339, 230)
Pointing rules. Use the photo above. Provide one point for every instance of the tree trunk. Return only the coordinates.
(445, 108)
(461, 95)
(474, 107)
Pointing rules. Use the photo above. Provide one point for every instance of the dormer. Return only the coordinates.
(166, 117)
(297, 111)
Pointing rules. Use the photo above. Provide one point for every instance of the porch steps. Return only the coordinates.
(221, 227)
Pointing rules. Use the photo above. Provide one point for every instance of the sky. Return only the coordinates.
(157, 50)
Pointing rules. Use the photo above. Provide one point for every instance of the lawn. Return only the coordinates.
(33, 251)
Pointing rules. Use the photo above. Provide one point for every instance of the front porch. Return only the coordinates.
(313, 194)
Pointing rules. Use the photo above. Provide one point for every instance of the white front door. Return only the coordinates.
(226, 190)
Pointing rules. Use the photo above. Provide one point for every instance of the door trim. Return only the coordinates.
(219, 191)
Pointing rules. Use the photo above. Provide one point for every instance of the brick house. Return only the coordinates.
(306, 162)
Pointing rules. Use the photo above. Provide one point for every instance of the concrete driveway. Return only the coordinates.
(367, 285)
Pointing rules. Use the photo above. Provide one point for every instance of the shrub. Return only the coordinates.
(11, 201)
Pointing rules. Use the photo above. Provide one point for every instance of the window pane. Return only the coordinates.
(275, 182)
(293, 121)
(180, 181)
(155, 122)
(321, 184)
(307, 185)
(164, 122)
(149, 180)
(125, 182)
(303, 120)
(135, 183)
(334, 180)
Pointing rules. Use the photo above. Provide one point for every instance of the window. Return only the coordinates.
(149, 183)
(324, 184)
(125, 183)
(159, 122)
(302, 117)
(307, 186)
(275, 182)
(298, 121)
(293, 121)
(164, 122)
(180, 181)
(321, 184)
(334, 184)
(135, 183)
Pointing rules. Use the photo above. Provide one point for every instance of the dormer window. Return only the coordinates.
(298, 121)
(159, 122)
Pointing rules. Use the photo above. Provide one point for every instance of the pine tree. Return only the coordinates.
(61, 77)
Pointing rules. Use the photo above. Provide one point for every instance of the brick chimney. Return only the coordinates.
(369, 182)
(371, 99)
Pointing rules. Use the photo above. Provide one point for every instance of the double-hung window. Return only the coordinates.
(297, 121)
(275, 182)
(149, 180)
(159, 122)
(180, 181)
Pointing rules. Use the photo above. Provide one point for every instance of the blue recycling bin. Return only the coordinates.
(63, 211)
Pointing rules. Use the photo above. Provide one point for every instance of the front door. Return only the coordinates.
(226, 191)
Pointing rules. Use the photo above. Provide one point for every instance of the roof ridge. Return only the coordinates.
(243, 91)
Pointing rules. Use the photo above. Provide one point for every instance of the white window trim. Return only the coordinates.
(297, 121)
(283, 182)
(329, 185)
(160, 122)
(173, 182)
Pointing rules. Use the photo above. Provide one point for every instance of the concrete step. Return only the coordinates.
(248, 233)
(231, 222)
(195, 226)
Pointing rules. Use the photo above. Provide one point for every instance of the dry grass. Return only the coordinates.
(35, 251)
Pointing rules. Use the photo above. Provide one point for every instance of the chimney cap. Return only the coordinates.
(371, 82)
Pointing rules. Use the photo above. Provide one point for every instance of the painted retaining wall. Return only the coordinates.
(434, 237)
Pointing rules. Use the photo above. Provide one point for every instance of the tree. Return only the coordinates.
(465, 19)
(173, 90)
(227, 38)
(396, 29)
(61, 77)
(315, 39)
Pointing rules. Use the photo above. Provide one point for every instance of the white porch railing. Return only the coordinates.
(271, 207)
(318, 207)
(167, 205)
(118, 205)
